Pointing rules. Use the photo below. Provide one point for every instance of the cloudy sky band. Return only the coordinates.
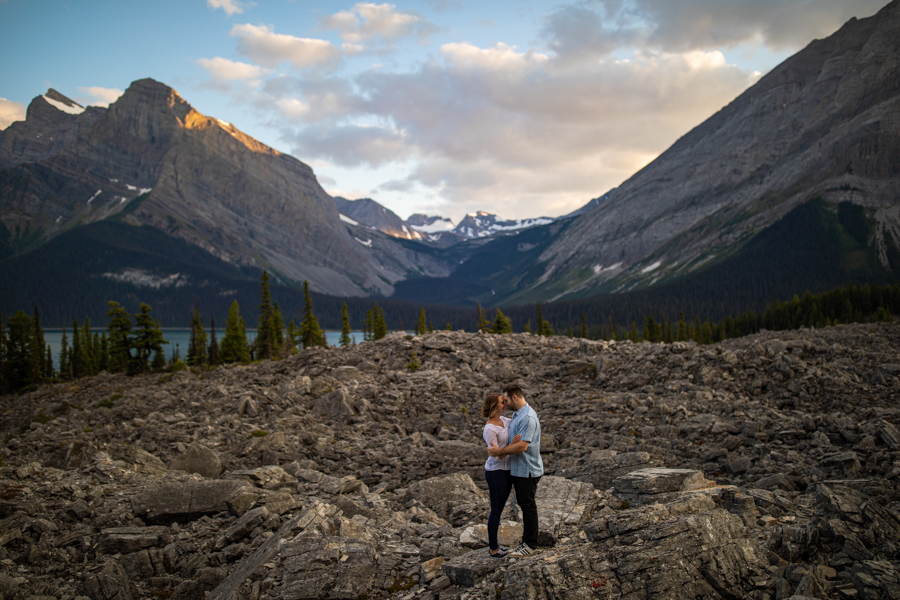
(523, 108)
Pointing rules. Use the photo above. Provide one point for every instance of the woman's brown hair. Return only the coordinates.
(491, 405)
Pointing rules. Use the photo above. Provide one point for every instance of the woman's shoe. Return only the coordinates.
(501, 553)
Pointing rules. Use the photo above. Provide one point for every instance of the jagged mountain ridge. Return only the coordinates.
(823, 124)
(373, 214)
(151, 159)
(435, 228)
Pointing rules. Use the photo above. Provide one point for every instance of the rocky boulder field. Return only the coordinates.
(764, 467)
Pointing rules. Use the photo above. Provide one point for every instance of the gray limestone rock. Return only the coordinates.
(466, 570)
(650, 485)
(201, 460)
(563, 507)
(327, 567)
(111, 583)
(125, 540)
(174, 502)
(443, 493)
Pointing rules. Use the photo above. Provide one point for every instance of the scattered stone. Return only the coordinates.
(764, 467)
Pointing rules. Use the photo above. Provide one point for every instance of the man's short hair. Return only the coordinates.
(513, 389)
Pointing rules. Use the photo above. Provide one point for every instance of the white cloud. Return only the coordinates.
(352, 145)
(502, 130)
(229, 70)
(366, 23)
(501, 58)
(10, 112)
(98, 96)
(263, 45)
(229, 6)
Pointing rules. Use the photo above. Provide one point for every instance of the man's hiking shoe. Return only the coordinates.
(522, 550)
(501, 553)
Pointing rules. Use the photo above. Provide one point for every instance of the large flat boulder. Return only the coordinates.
(563, 507)
(602, 467)
(686, 549)
(468, 569)
(125, 540)
(443, 493)
(646, 486)
(327, 567)
(184, 501)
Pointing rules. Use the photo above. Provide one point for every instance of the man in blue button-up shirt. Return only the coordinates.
(525, 464)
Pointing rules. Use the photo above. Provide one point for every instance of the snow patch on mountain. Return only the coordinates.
(142, 278)
(482, 224)
(72, 109)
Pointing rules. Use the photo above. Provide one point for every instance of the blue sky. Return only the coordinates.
(521, 108)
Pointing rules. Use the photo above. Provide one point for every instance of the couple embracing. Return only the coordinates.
(514, 449)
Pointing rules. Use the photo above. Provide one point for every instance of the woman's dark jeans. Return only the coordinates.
(499, 485)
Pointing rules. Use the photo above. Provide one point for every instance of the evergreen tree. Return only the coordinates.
(540, 319)
(19, 369)
(234, 345)
(213, 343)
(277, 327)
(36, 347)
(159, 359)
(544, 327)
(265, 335)
(147, 339)
(97, 348)
(345, 326)
(197, 349)
(430, 327)
(89, 360)
(584, 328)
(681, 334)
(449, 327)
(311, 334)
(77, 367)
(119, 331)
(379, 326)
(501, 323)
(65, 358)
(176, 355)
(651, 329)
(104, 352)
(528, 326)
(48, 364)
(420, 324)
(368, 325)
(633, 334)
(289, 345)
(612, 327)
(3, 382)
(483, 324)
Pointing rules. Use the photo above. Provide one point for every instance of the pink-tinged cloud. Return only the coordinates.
(230, 7)
(262, 45)
(229, 70)
(367, 22)
(10, 112)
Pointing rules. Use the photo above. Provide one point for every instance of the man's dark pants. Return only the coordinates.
(526, 487)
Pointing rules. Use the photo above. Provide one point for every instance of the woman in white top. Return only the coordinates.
(496, 469)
